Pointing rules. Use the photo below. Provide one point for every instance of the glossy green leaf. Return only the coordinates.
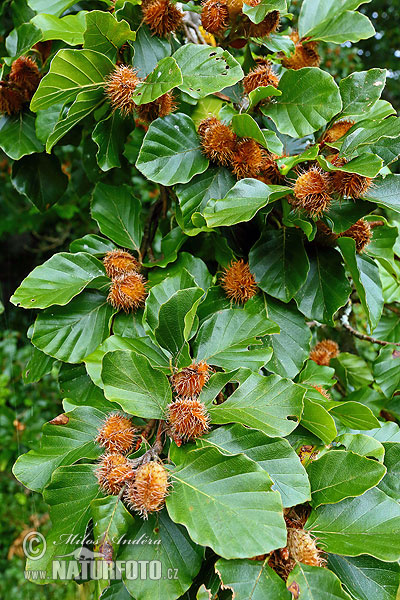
(40, 179)
(369, 132)
(110, 136)
(385, 192)
(249, 523)
(341, 474)
(257, 13)
(348, 26)
(251, 579)
(69, 29)
(206, 70)
(360, 90)
(21, 40)
(161, 80)
(18, 136)
(171, 151)
(315, 582)
(71, 332)
(368, 524)
(317, 419)
(314, 12)
(134, 384)
(279, 263)
(386, 371)
(117, 212)
(362, 444)
(51, 7)
(105, 34)
(367, 165)
(310, 98)
(92, 244)
(58, 280)
(352, 370)
(390, 484)
(149, 50)
(270, 404)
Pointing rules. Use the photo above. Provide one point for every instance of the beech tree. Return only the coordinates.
(227, 342)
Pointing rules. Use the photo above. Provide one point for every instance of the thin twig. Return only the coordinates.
(362, 336)
(150, 227)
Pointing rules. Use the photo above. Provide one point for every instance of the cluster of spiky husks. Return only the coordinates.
(187, 419)
(215, 16)
(312, 192)
(268, 25)
(162, 17)
(324, 351)
(361, 232)
(305, 54)
(238, 282)
(117, 434)
(262, 75)
(146, 493)
(189, 382)
(351, 185)
(128, 287)
(20, 86)
(113, 471)
(337, 131)
(119, 88)
(221, 145)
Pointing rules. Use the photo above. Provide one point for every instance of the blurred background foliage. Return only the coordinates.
(28, 238)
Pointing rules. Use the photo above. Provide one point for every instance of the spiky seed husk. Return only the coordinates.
(25, 74)
(323, 391)
(247, 158)
(161, 107)
(147, 492)
(215, 16)
(263, 29)
(190, 381)
(128, 293)
(302, 548)
(218, 141)
(269, 170)
(337, 131)
(112, 472)
(234, 7)
(262, 75)
(311, 192)
(116, 434)
(325, 236)
(119, 88)
(305, 55)
(12, 99)
(324, 351)
(360, 232)
(118, 263)
(162, 17)
(238, 282)
(187, 419)
(351, 185)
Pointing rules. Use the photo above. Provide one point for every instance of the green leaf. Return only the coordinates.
(352, 370)
(310, 98)
(365, 577)
(171, 151)
(58, 280)
(368, 524)
(175, 322)
(71, 71)
(362, 444)
(344, 213)
(206, 70)
(386, 371)
(251, 579)
(85, 103)
(258, 13)
(354, 414)
(279, 262)
(61, 445)
(315, 582)
(360, 91)
(367, 165)
(291, 347)
(149, 50)
(366, 133)
(70, 333)
(75, 384)
(258, 95)
(69, 495)
(20, 40)
(105, 34)
(171, 545)
(245, 126)
(314, 12)
(317, 419)
(69, 29)
(326, 288)
(117, 212)
(51, 7)
(231, 507)
(274, 455)
(92, 244)
(348, 26)
(215, 182)
(39, 365)
(161, 292)
(365, 275)
(270, 404)
(223, 340)
(40, 179)
(242, 202)
(18, 136)
(386, 192)
(161, 80)
(110, 521)
(387, 432)
(130, 380)
(390, 484)
(339, 474)
(110, 136)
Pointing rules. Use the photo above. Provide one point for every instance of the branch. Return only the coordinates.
(362, 336)
(151, 227)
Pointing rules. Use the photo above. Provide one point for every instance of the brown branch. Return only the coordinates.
(151, 227)
(394, 309)
(368, 338)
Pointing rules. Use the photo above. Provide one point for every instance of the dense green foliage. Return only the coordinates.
(296, 442)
